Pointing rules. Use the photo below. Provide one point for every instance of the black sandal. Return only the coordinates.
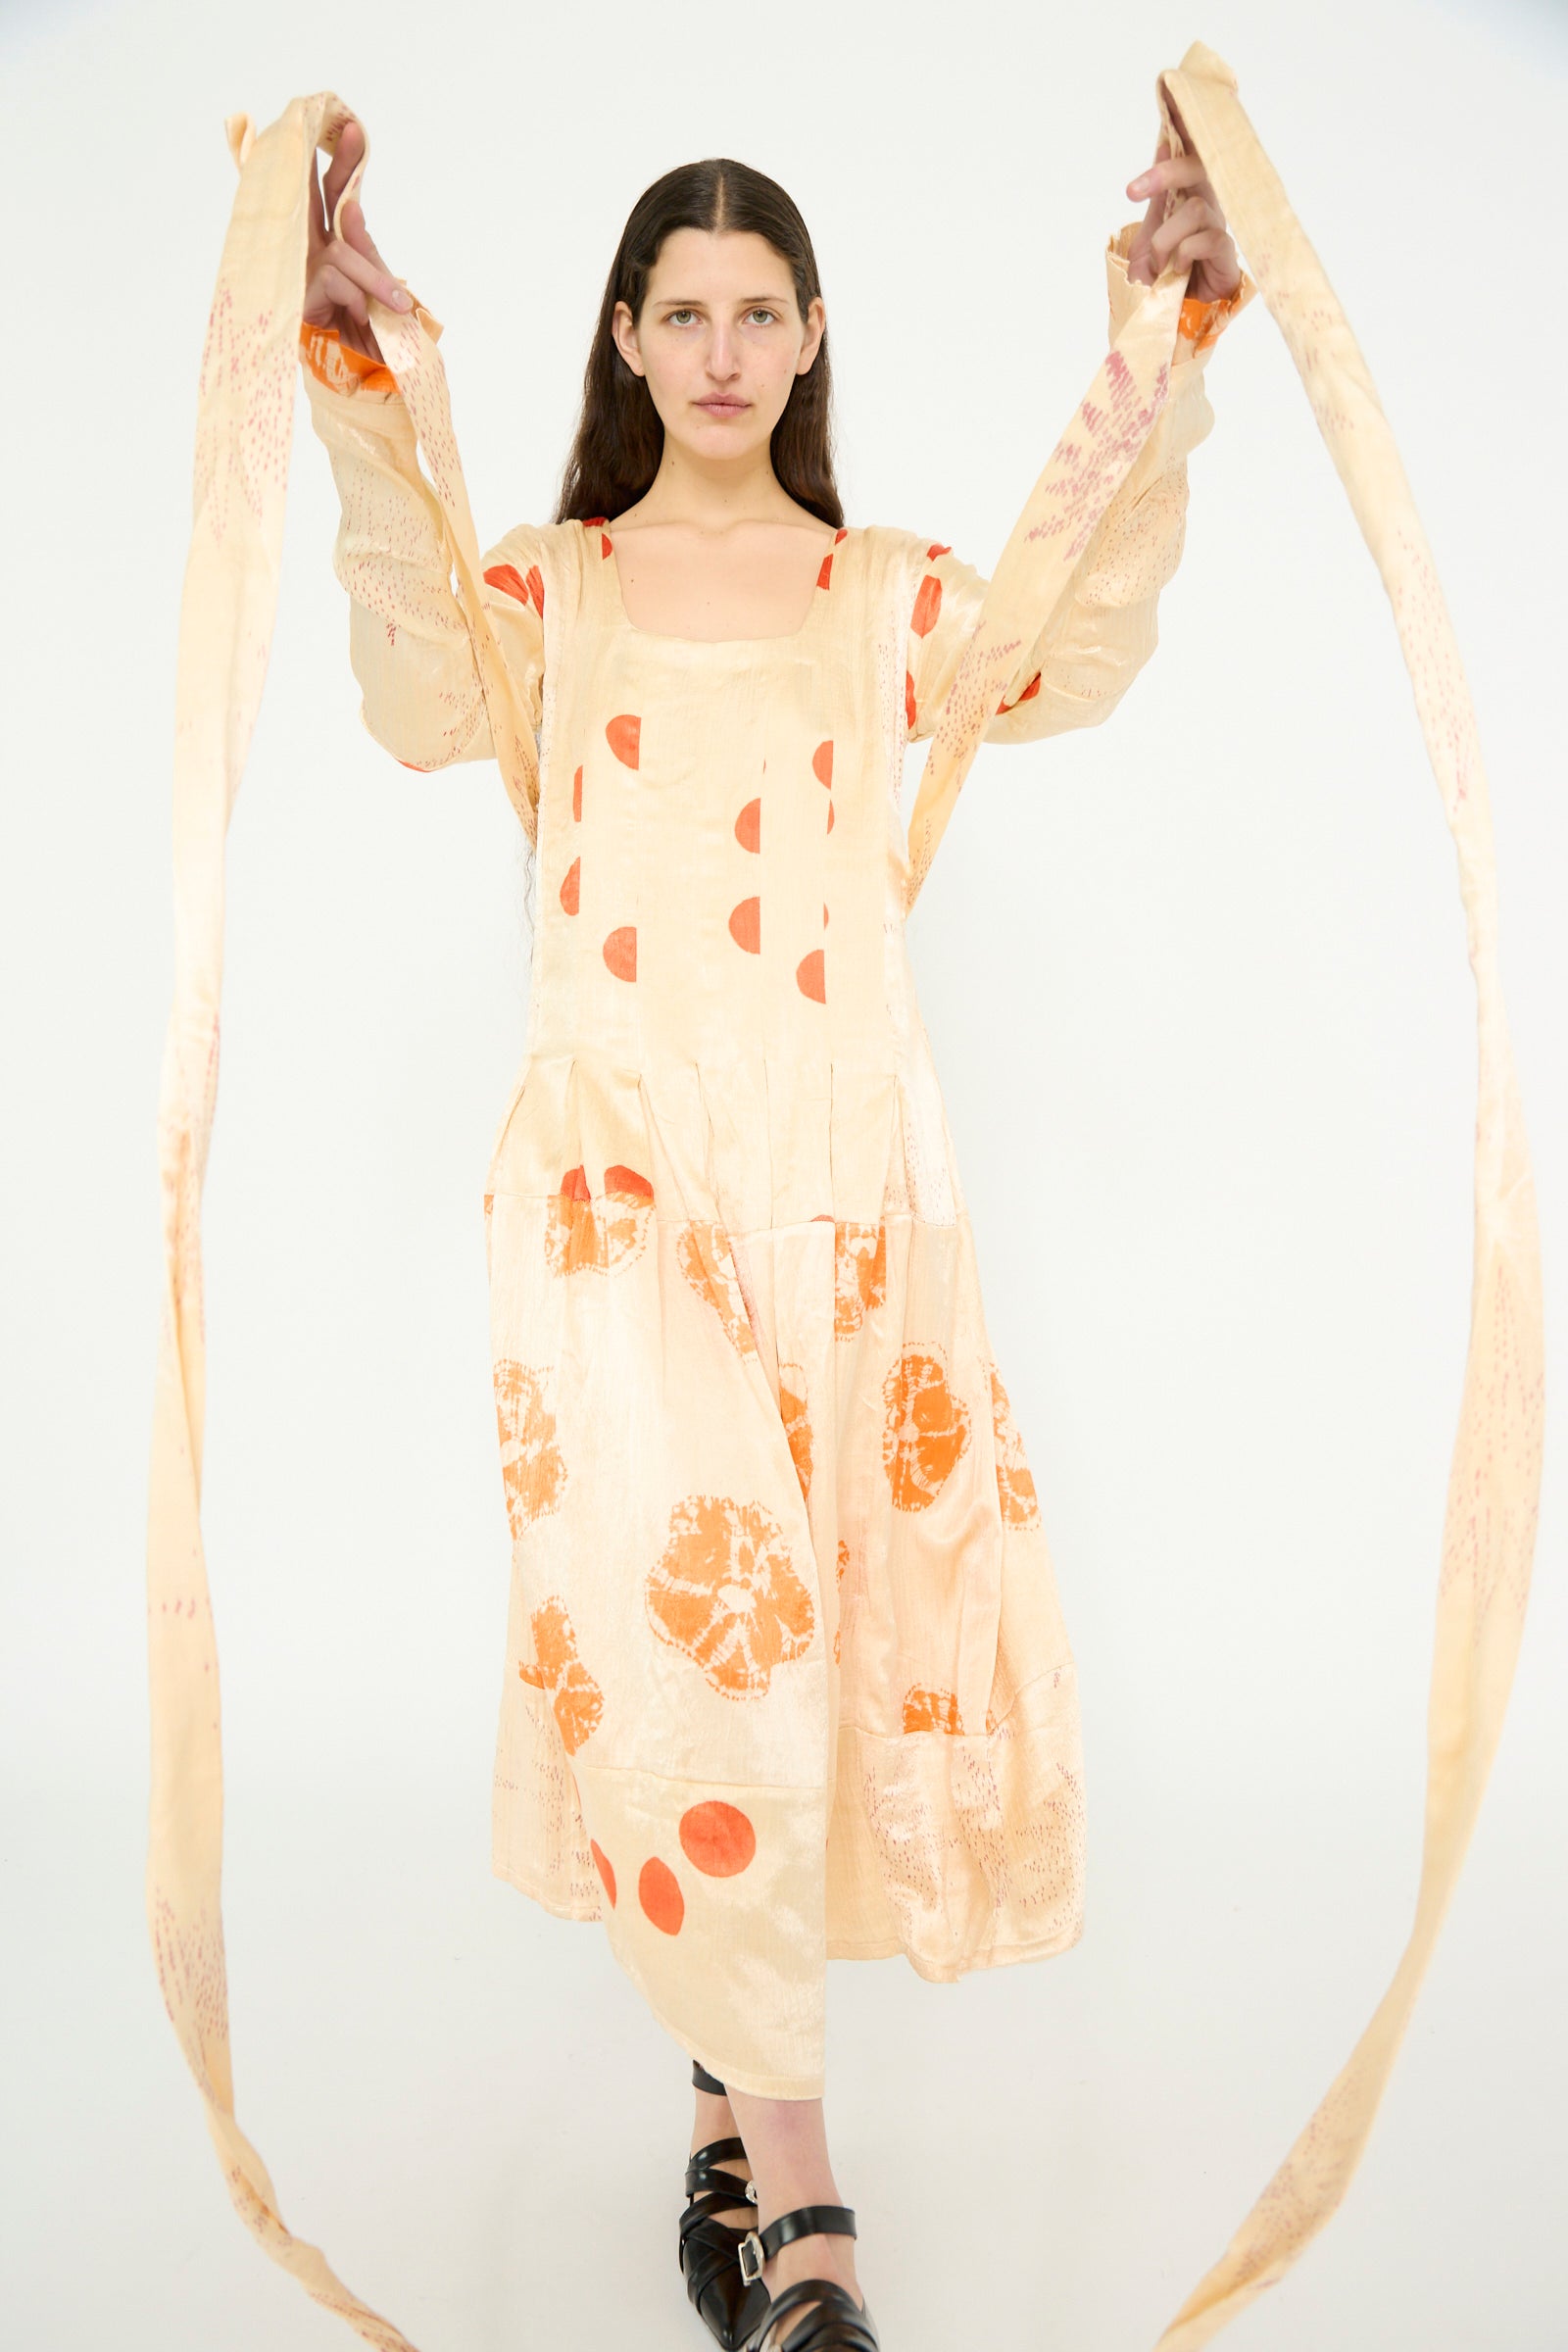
(729, 2305)
(838, 2324)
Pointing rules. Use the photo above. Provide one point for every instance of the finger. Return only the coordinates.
(347, 153)
(1207, 244)
(359, 236)
(345, 292)
(373, 277)
(1171, 172)
(1187, 219)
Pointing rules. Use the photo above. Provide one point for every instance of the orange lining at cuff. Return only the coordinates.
(339, 366)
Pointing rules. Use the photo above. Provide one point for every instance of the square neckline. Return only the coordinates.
(662, 637)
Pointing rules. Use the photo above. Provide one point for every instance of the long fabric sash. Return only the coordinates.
(244, 428)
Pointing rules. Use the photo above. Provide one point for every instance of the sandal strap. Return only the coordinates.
(802, 2221)
(702, 2169)
(705, 2080)
(838, 2324)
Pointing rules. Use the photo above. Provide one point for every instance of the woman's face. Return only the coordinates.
(721, 340)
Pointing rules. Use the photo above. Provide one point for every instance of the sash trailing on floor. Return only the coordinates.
(244, 429)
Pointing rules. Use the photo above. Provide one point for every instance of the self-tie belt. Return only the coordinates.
(244, 426)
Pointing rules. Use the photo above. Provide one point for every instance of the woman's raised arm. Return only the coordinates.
(1077, 670)
(409, 643)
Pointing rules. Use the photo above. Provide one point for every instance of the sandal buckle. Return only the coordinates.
(748, 2252)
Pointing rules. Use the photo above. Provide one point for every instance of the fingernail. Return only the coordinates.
(1136, 187)
(402, 301)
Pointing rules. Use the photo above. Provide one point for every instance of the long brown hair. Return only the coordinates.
(620, 438)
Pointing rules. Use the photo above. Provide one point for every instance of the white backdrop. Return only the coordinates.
(1197, 991)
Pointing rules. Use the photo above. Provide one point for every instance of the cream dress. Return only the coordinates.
(666, 1172)
(786, 1674)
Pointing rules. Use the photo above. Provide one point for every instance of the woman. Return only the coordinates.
(786, 1674)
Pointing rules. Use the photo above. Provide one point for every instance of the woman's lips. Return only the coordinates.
(723, 407)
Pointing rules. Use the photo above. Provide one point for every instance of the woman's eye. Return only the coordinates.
(677, 317)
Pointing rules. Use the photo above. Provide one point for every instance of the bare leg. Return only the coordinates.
(715, 2120)
(786, 2141)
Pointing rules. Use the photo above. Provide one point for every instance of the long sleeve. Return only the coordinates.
(408, 644)
(1075, 673)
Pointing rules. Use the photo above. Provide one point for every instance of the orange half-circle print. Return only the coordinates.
(926, 1429)
(625, 733)
(908, 701)
(704, 1255)
(842, 1571)
(570, 886)
(627, 1181)
(929, 1709)
(603, 1866)
(859, 1274)
(575, 1698)
(1015, 1485)
(811, 976)
(716, 1838)
(745, 925)
(822, 763)
(725, 1591)
(576, 795)
(927, 605)
(532, 1469)
(749, 826)
(658, 1892)
(620, 951)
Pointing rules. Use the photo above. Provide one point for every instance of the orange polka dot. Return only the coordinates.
(619, 1179)
(841, 532)
(605, 543)
(908, 701)
(576, 794)
(620, 951)
(829, 816)
(510, 580)
(927, 605)
(717, 1837)
(591, 522)
(601, 1865)
(825, 578)
(810, 977)
(745, 925)
(624, 736)
(570, 885)
(935, 550)
(658, 1892)
(824, 914)
(574, 1184)
(749, 826)
(822, 761)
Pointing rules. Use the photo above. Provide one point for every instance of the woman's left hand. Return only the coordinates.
(1196, 231)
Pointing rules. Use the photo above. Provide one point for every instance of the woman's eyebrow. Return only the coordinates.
(694, 302)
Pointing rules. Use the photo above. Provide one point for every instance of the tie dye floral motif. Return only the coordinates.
(738, 1336)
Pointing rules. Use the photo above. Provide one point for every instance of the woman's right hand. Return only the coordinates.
(340, 270)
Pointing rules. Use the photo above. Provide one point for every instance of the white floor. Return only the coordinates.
(462, 2100)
